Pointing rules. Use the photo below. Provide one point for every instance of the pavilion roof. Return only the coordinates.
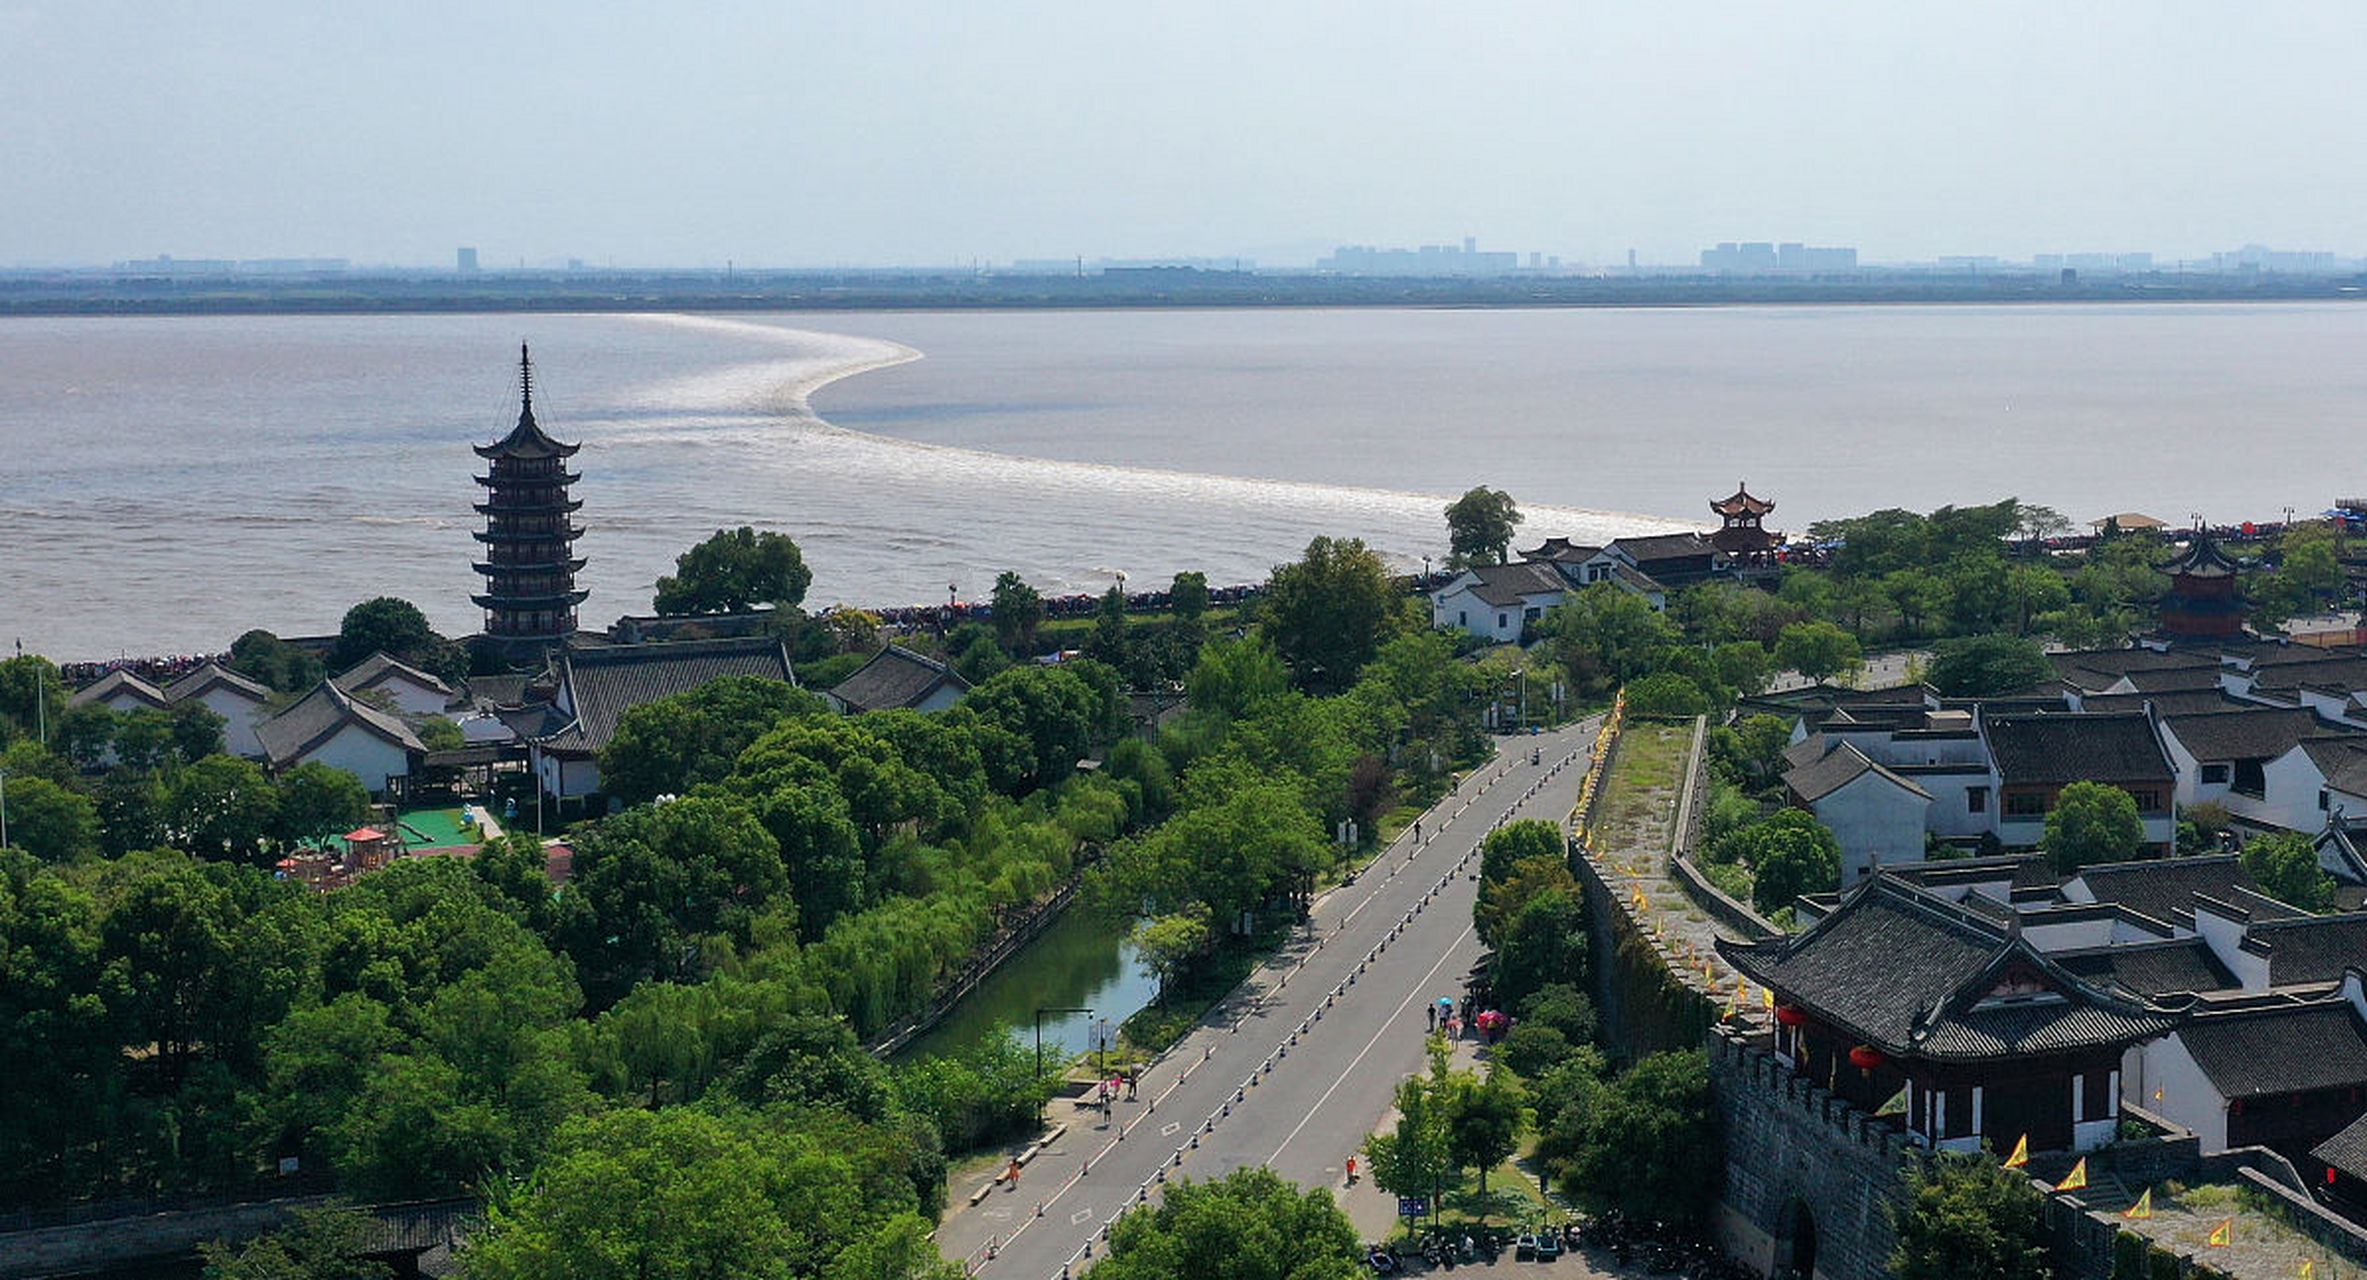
(1918, 976)
(2201, 559)
(1742, 503)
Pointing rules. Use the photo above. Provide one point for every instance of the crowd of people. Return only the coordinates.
(160, 670)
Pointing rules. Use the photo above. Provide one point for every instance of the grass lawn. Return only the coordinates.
(1641, 789)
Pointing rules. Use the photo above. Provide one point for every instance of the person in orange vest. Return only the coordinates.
(1351, 1171)
(1011, 1175)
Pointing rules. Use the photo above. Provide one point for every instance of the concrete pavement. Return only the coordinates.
(1303, 1060)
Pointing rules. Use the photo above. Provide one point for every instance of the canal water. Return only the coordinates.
(1081, 961)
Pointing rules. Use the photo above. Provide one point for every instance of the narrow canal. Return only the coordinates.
(1082, 961)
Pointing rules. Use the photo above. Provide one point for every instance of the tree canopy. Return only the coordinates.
(1247, 1225)
(734, 571)
(2092, 822)
(1968, 1218)
(1984, 666)
(1480, 526)
(2286, 867)
(1327, 613)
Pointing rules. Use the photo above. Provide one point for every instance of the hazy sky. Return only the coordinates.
(931, 131)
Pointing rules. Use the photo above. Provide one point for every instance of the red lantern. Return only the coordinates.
(1865, 1057)
(1789, 1015)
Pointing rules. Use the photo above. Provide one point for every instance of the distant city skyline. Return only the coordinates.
(924, 132)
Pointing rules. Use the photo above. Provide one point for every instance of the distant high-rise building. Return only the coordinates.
(467, 260)
(1762, 256)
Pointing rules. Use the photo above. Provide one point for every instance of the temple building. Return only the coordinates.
(1951, 1020)
(1740, 535)
(530, 531)
(2205, 601)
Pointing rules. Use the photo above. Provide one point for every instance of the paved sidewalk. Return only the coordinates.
(1302, 1061)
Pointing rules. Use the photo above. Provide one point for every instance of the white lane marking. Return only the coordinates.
(1420, 985)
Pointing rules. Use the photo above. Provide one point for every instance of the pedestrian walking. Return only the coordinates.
(1011, 1175)
(1430, 1016)
(1131, 1080)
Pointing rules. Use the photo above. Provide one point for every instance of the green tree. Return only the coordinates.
(1652, 1145)
(1328, 613)
(984, 1092)
(1233, 676)
(196, 730)
(224, 808)
(1247, 1225)
(1188, 595)
(1108, 641)
(83, 734)
(1817, 650)
(1417, 1157)
(977, 654)
(1917, 594)
(659, 879)
(1543, 944)
(1484, 1120)
(391, 626)
(51, 822)
(32, 694)
(734, 571)
(2033, 591)
(1666, 694)
(1480, 526)
(1169, 943)
(1018, 611)
(1985, 666)
(1061, 713)
(2287, 869)
(1606, 635)
(1231, 853)
(326, 1243)
(318, 800)
(1744, 666)
(1968, 1218)
(671, 745)
(1789, 854)
(2091, 823)
(262, 656)
(681, 1192)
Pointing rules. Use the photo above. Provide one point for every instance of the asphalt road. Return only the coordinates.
(1299, 1064)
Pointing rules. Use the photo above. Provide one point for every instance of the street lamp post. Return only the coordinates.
(1040, 1043)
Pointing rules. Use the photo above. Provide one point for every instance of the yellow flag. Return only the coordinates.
(2021, 1155)
(2309, 1269)
(2223, 1235)
(2157, 1093)
(2076, 1179)
(1767, 996)
(2141, 1210)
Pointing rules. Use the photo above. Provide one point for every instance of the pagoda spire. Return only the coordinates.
(529, 562)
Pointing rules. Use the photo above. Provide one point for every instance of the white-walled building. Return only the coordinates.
(413, 692)
(243, 704)
(330, 727)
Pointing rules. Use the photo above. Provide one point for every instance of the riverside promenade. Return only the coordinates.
(1300, 1063)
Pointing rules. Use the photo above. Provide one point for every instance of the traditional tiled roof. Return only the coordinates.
(1807, 750)
(2346, 1150)
(1846, 764)
(1743, 503)
(211, 676)
(1509, 585)
(288, 736)
(379, 668)
(1913, 975)
(2164, 888)
(2342, 760)
(2201, 559)
(601, 684)
(1638, 581)
(1663, 546)
(2153, 969)
(1561, 550)
(2073, 748)
(2167, 702)
(2261, 733)
(2174, 679)
(896, 677)
(123, 682)
(2280, 1047)
(2311, 948)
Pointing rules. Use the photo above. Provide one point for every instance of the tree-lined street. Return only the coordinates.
(1295, 1068)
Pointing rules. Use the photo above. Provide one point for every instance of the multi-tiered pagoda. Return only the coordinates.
(1740, 534)
(530, 531)
(2205, 601)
